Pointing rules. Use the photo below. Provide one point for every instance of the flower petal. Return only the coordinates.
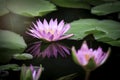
(106, 56)
(65, 37)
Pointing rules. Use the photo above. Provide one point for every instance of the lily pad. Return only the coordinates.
(9, 67)
(3, 8)
(30, 8)
(10, 43)
(106, 8)
(72, 4)
(24, 56)
(103, 30)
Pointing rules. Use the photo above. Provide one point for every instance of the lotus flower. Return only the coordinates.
(51, 31)
(36, 73)
(30, 73)
(50, 50)
(84, 55)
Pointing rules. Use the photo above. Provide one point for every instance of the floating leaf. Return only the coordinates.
(116, 43)
(11, 40)
(30, 8)
(10, 43)
(24, 56)
(3, 9)
(106, 8)
(72, 4)
(9, 67)
(103, 30)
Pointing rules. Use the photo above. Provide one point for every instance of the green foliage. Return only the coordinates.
(30, 8)
(23, 72)
(71, 4)
(9, 67)
(11, 40)
(91, 65)
(24, 56)
(3, 8)
(28, 75)
(17, 15)
(11, 43)
(106, 8)
(74, 56)
(107, 31)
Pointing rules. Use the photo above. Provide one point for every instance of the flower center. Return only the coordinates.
(50, 30)
(87, 57)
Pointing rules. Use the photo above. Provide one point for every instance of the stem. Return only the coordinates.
(87, 75)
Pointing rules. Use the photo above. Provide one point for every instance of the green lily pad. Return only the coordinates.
(11, 43)
(72, 4)
(3, 8)
(9, 67)
(103, 30)
(24, 56)
(106, 8)
(30, 8)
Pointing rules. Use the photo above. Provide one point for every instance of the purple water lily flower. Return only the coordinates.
(84, 54)
(51, 31)
(36, 73)
(51, 50)
(31, 72)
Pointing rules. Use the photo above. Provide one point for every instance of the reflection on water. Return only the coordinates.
(48, 49)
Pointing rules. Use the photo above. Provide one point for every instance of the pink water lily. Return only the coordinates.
(85, 54)
(31, 72)
(36, 73)
(52, 31)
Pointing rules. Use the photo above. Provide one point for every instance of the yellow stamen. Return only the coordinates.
(50, 30)
(87, 57)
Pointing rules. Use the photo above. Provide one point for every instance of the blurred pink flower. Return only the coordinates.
(85, 54)
(36, 73)
(51, 31)
(31, 72)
